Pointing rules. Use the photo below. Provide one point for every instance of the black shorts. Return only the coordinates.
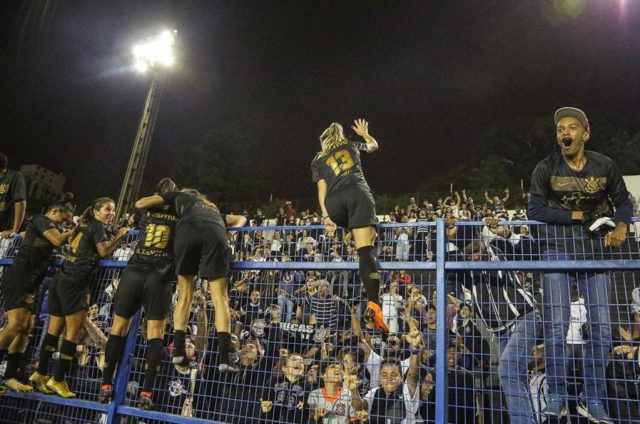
(351, 207)
(201, 248)
(68, 295)
(20, 288)
(149, 288)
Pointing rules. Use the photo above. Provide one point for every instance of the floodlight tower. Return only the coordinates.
(154, 56)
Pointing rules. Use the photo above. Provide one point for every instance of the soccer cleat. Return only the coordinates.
(374, 315)
(39, 381)
(17, 386)
(106, 393)
(182, 361)
(61, 388)
(555, 408)
(144, 401)
(595, 412)
(223, 368)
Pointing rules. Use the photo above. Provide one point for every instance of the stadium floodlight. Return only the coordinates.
(154, 52)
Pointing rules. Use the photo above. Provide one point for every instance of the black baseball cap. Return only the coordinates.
(573, 112)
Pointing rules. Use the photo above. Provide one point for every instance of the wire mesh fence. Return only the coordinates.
(487, 323)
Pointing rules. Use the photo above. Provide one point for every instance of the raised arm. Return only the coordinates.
(361, 127)
(506, 195)
(150, 202)
(235, 220)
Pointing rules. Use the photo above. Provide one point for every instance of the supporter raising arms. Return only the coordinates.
(69, 293)
(20, 285)
(346, 200)
(145, 282)
(201, 249)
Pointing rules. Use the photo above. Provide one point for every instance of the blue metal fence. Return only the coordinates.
(191, 395)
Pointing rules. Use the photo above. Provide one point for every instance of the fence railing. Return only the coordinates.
(290, 267)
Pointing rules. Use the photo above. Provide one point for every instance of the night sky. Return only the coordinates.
(428, 75)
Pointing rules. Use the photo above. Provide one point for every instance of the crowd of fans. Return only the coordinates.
(304, 352)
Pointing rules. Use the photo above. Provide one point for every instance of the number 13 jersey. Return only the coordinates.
(340, 167)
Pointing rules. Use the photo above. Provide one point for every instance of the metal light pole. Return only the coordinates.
(153, 55)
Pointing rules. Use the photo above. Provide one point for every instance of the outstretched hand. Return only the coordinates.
(361, 127)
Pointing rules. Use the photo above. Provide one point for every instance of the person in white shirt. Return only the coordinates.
(391, 302)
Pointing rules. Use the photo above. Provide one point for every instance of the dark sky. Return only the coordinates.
(428, 75)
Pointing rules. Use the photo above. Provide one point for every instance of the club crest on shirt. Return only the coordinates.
(29, 298)
(591, 185)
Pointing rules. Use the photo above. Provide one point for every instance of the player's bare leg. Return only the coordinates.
(186, 286)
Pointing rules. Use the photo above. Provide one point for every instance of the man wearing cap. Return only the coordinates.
(570, 190)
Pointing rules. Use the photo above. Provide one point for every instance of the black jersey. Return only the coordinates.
(340, 167)
(155, 241)
(189, 207)
(594, 189)
(35, 250)
(12, 189)
(83, 253)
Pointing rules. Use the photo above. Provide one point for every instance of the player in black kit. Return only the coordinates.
(20, 284)
(147, 281)
(346, 201)
(200, 248)
(69, 293)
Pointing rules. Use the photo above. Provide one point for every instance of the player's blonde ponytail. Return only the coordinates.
(331, 137)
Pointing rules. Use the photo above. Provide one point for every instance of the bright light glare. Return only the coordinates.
(156, 51)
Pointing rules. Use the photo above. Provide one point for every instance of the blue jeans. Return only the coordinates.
(515, 346)
(286, 308)
(594, 287)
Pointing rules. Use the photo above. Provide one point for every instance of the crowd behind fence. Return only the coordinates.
(297, 303)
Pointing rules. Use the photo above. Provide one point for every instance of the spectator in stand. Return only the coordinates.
(258, 218)
(285, 400)
(468, 200)
(324, 306)
(281, 217)
(334, 403)
(276, 245)
(412, 207)
(462, 407)
(252, 310)
(423, 238)
(289, 213)
(13, 199)
(237, 395)
(404, 278)
(402, 245)
(496, 202)
(286, 287)
(569, 189)
(392, 303)
(395, 400)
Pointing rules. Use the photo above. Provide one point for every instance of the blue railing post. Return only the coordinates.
(441, 324)
(124, 370)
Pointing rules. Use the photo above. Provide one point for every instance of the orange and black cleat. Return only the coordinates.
(374, 315)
